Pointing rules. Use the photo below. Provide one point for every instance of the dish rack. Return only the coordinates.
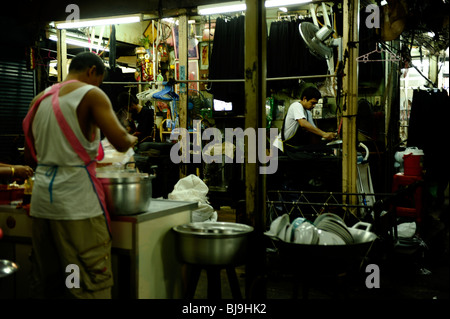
(351, 207)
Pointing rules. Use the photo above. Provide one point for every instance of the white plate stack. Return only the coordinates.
(335, 228)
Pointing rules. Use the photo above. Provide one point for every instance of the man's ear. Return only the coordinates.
(92, 71)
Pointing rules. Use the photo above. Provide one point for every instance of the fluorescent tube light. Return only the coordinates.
(80, 43)
(96, 22)
(222, 8)
(234, 6)
(282, 3)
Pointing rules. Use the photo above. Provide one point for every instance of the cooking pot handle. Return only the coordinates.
(361, 225)
(125, 167)
(153, 168)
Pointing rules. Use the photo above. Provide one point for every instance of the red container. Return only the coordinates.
(412, 165)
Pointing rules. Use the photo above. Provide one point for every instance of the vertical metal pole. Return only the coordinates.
(61, 49)
(255, 95)
(350, 88)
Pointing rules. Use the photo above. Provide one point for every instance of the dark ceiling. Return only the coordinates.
(22, 22)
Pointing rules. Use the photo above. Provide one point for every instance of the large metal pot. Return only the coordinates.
(212, 243)
(127, 193)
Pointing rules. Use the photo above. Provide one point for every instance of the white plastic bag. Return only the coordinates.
(406, 230)
(192, 188)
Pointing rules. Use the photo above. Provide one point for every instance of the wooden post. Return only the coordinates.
(255, 92)
(255, 96)
(433, 73)
(61, 51)
(183, 60)
(183, 65)
(350, 108)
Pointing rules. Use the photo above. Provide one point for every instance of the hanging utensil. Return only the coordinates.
(336, 142)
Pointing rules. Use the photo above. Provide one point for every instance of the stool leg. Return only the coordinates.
(214, 284)
(234, 283)
(192, 282)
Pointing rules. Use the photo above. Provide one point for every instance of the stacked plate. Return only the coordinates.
(300, 231)
(333, 224)
(306, 233)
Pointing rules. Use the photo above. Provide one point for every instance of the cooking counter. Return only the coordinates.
(158, 208)
(144, 261)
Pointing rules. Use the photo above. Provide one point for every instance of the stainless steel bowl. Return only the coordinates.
(212, 243)
(126, 193)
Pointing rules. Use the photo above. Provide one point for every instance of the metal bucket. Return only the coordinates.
(212, 243)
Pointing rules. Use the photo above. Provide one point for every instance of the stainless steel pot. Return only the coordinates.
(212, 243)
(127, 193)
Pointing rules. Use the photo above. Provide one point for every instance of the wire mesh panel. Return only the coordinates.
(309, 205)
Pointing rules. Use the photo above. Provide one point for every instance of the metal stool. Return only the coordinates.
(214, 281)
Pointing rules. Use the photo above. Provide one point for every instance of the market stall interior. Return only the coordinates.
(218, 80)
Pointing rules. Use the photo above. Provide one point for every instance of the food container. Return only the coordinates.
(11, 193)
(212, 243)
(126, 193)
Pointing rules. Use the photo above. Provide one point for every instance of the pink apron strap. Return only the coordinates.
(28, 120)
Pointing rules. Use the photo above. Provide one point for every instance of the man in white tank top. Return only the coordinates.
(70, 221)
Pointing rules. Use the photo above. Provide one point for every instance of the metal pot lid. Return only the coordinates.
(213, 228)
(123, 177)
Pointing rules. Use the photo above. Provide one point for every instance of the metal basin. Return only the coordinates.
(328, 258)
(126, 193)
(212, 243)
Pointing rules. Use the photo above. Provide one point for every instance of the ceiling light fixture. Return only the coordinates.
(221, 8)
(241, 6)
(98, 22)
(79, 43)
(282, 3)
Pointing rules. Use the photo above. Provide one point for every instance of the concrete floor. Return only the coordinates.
(422, 275)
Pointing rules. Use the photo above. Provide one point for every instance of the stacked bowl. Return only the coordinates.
(327, 229)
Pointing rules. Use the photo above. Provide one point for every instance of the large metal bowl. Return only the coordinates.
(126, 193)
(212, 243)
(328, 258)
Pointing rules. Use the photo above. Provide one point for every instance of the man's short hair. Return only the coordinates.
(125, 99)
(311, 92)
(85, 60)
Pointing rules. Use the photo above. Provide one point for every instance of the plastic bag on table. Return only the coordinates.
(192, 188)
